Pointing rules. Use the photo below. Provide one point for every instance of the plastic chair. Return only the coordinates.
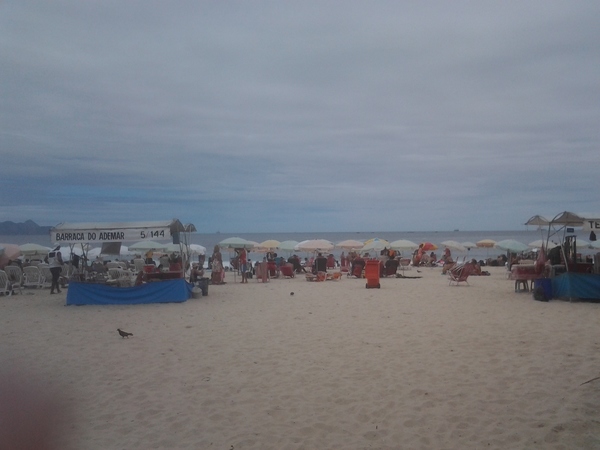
(287, 271)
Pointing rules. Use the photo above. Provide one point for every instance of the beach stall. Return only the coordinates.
(172, 286)
(570, 277)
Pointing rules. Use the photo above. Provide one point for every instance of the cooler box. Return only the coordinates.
(546, 285)
(372, 274)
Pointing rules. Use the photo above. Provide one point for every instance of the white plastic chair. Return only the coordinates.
(5, 287)
(32, 277)
(15, 277)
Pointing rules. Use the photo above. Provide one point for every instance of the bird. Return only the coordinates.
(124, 334)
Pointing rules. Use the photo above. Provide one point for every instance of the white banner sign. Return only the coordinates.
(591, 224)
(76, 236)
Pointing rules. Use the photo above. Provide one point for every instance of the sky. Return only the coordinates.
(270, 116)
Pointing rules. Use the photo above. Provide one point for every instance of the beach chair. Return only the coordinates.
(357, 268)
(46, 276)
(15, 277)
(138, 264)
(405, 264)
(287, 271)
(459, 273)
(390, 268)
(5, 286)
(32, 277)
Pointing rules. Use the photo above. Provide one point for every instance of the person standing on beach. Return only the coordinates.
(217, 274)
(55, 263)
(243, 259)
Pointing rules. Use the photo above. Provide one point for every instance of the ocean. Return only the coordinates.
(209, 240)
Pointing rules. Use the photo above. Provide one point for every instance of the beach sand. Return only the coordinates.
(416, 364)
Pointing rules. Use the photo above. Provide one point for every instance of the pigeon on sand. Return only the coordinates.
(124, 334)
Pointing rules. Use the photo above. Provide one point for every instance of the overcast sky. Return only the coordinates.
(250, 116)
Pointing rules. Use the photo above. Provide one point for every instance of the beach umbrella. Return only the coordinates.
(427, 246)
(237, 242)
(172, 248)
(266, 246)
(375, 245)
(403, 244)
(94, 252)
(145, 246)
(538, 221)
(541, 243)
(30, 250)
(468, 245)
(197, 249)
(11, 251)
(486, 243)
(454, 245)
(350, 244)
(581, 243)
(287, 246)
(314, 245)
(510, 245)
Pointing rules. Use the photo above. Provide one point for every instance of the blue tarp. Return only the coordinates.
(576, 286)
(170, 291)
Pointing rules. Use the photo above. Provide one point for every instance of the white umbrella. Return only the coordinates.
(314, 245)
(403, 244)
(541, 243)
(583, 243)
(287, 246)
(172, 248)
(34, 250)
(468, 245)
(375, 245)
(236, 242)
(511, 245)
(197, 249)
(144, 246)
(454, 245)
(595, 244)
(350, 244)
(94, 252)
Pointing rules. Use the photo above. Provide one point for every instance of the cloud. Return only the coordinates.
(266, 116)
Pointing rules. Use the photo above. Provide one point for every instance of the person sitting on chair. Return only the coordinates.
(320, 264)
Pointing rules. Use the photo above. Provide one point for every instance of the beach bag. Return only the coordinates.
(539, 294)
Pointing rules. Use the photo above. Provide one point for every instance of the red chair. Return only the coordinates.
(331, 262)
(272, 268)
(287, 271)
(357, 268)
(460, 272)
(528, 273)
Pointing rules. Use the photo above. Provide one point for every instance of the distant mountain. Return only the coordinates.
(22, 228)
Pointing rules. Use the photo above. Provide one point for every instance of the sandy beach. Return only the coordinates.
(416, 364)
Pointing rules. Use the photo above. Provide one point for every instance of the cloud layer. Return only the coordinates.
(324, 116)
